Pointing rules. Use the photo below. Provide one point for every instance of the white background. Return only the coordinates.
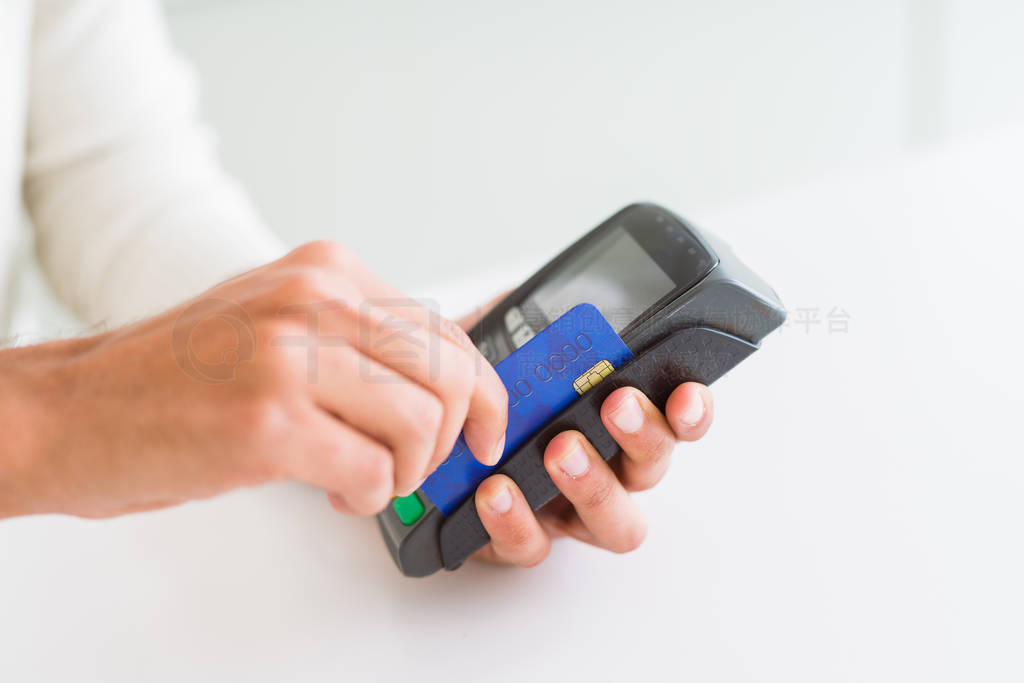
(464, 122)
(854, 514)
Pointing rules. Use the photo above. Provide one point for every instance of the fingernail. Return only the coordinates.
(693, 412)
(629, 416)
(501, 502)
(575, 463)
(499, 450)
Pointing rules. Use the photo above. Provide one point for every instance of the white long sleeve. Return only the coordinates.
(131, 210)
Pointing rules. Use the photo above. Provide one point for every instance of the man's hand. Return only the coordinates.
(308, 368)
(595, 506)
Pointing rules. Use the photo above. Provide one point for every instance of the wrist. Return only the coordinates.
(33, 385)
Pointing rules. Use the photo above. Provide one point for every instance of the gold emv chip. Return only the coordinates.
(592, 377)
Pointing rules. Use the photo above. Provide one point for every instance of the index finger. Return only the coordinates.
(487, 409)
(487, 416)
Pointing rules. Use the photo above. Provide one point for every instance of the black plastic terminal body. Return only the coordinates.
(697, 333)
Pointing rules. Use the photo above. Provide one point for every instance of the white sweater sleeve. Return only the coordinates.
(131, 210)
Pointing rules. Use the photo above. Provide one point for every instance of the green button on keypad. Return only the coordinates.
(409, 509)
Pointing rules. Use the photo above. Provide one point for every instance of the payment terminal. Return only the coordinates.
(642, 300)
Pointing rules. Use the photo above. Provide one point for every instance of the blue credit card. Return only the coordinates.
(542, 378)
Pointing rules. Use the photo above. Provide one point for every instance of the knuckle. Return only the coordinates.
(459, 377)
(662, 448)
(518, 537)
(323, 253)
(264, 422)
(376, 469)
(275, 329)
(455, 334)
(496, 395)
(263, 417)
(374, 479)
(431, 415)
(467, 373)
(278, 368)
(599, 495)
(302, 284)
(421, 416)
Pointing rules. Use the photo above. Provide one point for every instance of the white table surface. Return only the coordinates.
(854, 515)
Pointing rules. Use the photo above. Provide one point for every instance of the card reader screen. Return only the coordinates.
(614, 274)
